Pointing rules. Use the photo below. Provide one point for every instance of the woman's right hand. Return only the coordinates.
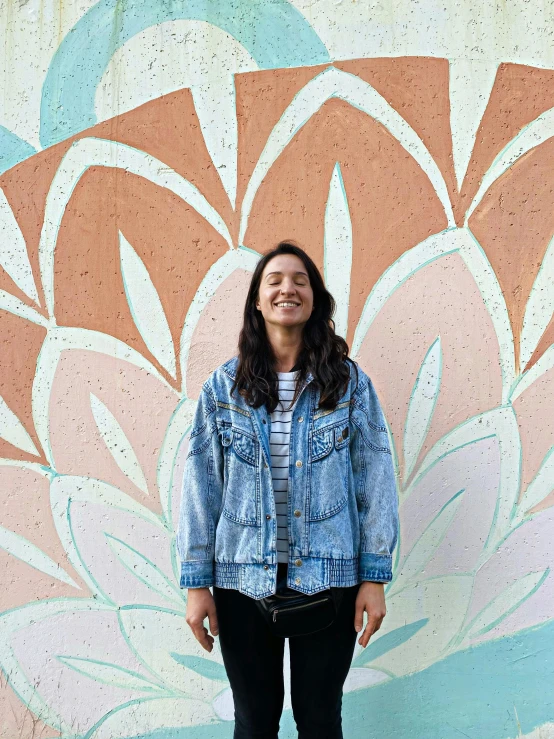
(201, 604)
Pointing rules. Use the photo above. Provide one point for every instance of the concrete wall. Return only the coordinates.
(150, 150)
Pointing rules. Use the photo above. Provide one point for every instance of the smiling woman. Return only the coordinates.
(289, 444)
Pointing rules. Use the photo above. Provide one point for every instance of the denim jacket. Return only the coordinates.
(342, 500)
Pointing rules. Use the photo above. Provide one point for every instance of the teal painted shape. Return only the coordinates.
(274, 33)
(384, 644)
(471, 693)
(13, 149)
(205, 667)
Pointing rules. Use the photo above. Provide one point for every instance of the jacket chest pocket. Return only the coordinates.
(241, 476)
(330, 457)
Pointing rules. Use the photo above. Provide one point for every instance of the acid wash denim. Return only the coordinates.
(342, 503)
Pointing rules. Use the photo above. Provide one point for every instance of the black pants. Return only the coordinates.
(253, 659)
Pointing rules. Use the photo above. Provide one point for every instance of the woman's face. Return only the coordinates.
(285, 296)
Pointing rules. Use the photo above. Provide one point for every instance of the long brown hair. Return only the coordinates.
(323, 352)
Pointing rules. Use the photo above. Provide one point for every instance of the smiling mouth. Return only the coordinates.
(287, 304)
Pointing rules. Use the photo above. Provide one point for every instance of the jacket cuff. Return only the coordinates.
(197, 574)
(375, 567)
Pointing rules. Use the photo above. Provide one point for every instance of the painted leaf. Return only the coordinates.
(507, 602)
(13, 251)
(145, 570)
(30, 554)
(109, 674)
(337, 261)
(146, 306)
(541, 486)
(118, 443)
(422, 404)
(13, 431)
(390, 641)
(204, 667)
(540, 307)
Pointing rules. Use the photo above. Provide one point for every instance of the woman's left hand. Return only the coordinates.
(370, 598)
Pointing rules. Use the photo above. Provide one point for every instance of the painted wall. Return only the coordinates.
(150, 151)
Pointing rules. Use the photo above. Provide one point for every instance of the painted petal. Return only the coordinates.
(172, 637)
(363, 677)
(146, 307)
(540, 306)
(330, 83)
(35, 635)
(215, 105)
(13, 431)
(13, 251)
(391, 350)
(450, 547)
(392, 640)
(124, 382)
(541, 486)
(528, 549)
(506, 602)
(27, 552)
(212, 325)
(471, 83)
(118, 444)
(172, 459)
(16, 306)
(85, 511)
(531, 136)
(110, 674)
(91, 152)
(422, 404)
(154, 717)
(427, 544)
(443, 601)
(338, 249)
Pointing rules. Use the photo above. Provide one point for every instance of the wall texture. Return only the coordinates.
(150, 150)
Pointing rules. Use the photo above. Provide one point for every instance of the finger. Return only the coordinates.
(359, 616)
(201, 634)
(212, 619)
(366, 635)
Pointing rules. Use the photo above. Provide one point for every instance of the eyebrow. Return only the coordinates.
(304, 274)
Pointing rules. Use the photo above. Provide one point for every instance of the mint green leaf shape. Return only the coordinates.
(13, 431)
(146, 306)
(387, 642)
(118, 444)
(422, 405)
(145, 570)
(337, 260)
(109, 674)
(541, 486)
(428, 542)
(506, 602)
(205, 667)
(27, 552)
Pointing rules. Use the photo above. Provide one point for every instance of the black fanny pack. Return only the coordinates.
(291, 613)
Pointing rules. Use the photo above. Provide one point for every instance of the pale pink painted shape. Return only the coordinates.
(25, 505)
(90, 522)
(441, 299)
(141, 404)
(17, 721)
(474, 468)
(80, 700)
(215, 338)
(530, 548)
(535, 416)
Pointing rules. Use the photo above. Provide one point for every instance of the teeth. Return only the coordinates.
(291, 304)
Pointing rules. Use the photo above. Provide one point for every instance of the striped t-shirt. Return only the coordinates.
(279, 447)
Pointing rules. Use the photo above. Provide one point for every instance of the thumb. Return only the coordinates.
(212, 618)
(359, 616)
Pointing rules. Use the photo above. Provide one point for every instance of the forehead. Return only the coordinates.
(285, 263)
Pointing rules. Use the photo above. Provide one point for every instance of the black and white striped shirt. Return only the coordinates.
(279, 447)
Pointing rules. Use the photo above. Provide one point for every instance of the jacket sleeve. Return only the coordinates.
(201, 496)
(375, 481)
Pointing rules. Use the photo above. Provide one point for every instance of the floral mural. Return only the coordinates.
(126, 250)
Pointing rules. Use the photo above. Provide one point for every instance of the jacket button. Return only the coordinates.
(298, 562)
(268, 516)
(297, 513)
(263, 420)
(266, 567)
(299, 463)
(300, 419)
(297, 580)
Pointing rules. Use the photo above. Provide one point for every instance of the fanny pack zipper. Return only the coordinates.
(295, 608)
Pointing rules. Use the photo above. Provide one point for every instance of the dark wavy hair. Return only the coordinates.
(323, 352)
